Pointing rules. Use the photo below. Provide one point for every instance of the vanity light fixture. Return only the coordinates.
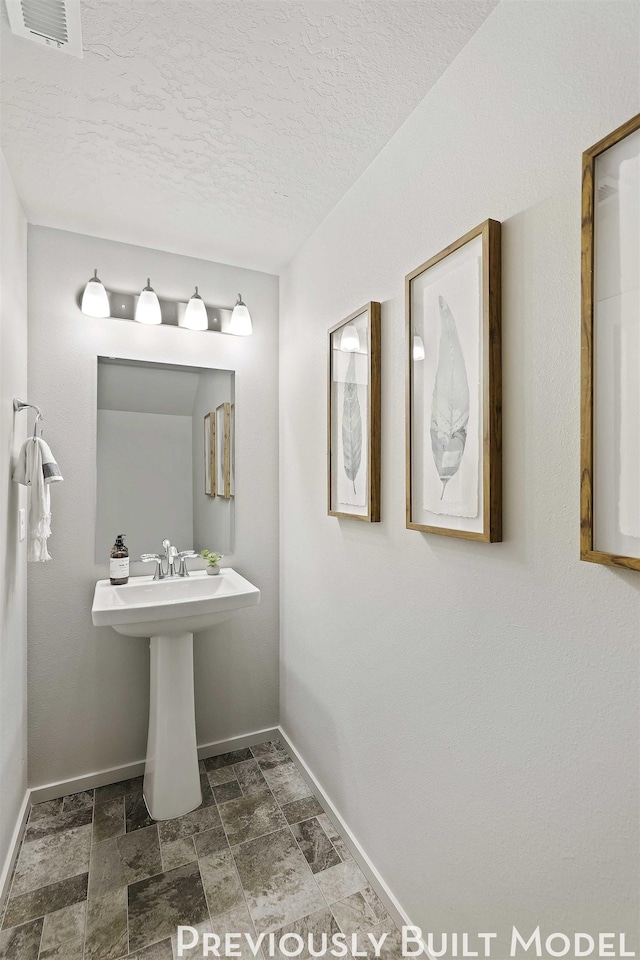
(195, 316)
(148, 306)
(350, 341)
(95, 302)
(149, 309)
(418, 348)
(240, 324)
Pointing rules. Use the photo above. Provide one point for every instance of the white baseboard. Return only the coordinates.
(99, 778)
(394, 907)
(14, 847)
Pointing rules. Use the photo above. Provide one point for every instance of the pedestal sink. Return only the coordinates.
(169, 612)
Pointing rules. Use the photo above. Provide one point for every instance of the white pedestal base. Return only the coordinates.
(172, 778)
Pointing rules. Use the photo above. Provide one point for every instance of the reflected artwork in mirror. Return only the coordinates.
(156, 465)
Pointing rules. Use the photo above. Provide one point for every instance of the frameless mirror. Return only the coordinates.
(165, 457)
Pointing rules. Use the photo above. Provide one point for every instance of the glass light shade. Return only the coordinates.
(418, 348)
(350, 341)
(148, 306)
(95, 302)
(195, 316)
(240, 325)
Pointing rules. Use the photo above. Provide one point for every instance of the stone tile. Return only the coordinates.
(278, 885)
(177, 852)
(341, 881)
(78, 801)
(64, 925)
(315, 925)
(239, 921)
(71, 950)
(157, 951)
(270, 750)
(123, 860)
(56, 823)
(158, 905)
(342, 849)
(204, 818)
(353, 914)
(221, 883)
(51, 858)
(391, 948)
(107, 934)
(197, 949)
(251, 778)
(208, 799)
(328, 827)
(21, 943)
(221, 775)
(227, 791)
(303, 809)
(226, 759)
(121, 789)
(250, 817)
(282, 776)
(108, 820)
(315, 845)
(136, 813)
(212, 841)
(46, 809)
(375, 903)
(48, 899)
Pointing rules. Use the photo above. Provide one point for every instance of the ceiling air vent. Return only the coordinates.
(55, 23)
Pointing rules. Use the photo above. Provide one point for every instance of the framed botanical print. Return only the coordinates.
(353, 416)
(209, 455)
(610, 398)
(223, 450)
(453, 390)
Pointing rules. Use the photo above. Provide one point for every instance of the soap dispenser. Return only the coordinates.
(119, 562)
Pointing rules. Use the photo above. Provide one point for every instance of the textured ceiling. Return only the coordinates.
(222, 130)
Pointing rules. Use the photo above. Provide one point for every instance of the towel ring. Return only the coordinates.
(21, 405)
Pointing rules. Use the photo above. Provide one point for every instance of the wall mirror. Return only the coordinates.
(164, 457)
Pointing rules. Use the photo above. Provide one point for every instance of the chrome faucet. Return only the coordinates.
(172, 565)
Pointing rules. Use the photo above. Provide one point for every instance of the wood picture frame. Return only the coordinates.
(223, 450)
(353, 416)
(610, 354)
(209, 454)
(454, 389)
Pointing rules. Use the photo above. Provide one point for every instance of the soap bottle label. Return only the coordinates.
(118, 568)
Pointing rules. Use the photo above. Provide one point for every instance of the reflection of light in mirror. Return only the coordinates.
(418, 348)
(349, 341)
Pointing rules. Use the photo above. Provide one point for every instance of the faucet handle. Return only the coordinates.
(183, 570)
(153, 558)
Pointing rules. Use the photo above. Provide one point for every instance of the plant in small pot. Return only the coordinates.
(213, 562)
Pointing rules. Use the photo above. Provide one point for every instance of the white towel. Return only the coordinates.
(50, 469)
(36, 468)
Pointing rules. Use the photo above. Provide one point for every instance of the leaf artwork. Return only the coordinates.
(351, 424)
(450, 402)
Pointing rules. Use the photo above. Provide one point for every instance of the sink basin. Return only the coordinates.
(144, 607)
(169, 612)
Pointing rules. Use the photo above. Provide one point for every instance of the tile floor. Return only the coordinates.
(97, 879)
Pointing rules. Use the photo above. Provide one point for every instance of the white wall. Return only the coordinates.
(471, 709)
(88, 688)
(144, 489)
(13, 564)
